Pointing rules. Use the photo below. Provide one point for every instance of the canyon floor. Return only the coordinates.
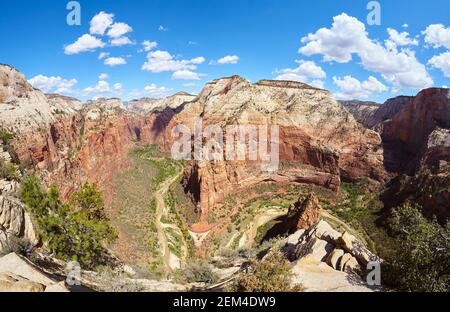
(95, 182)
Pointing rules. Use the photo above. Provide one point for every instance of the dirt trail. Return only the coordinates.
(171, 261)
(248, 237)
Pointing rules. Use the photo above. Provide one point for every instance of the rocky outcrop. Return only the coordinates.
(327, 260)
(147, 105)
(22, 108)
(63, 104)
(416, 145)
(16, 227)
(303, 214)
(362, 111)
(387, 111)
(320, 142)
(18, 274)
(107, 104)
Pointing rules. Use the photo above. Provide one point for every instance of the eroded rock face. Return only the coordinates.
(16, 227)
(362, 111)
(327, 260)
(148, 105)
(22, 108)
(18, 274)
(387, 111)
(320, 142)
(305, 213)
(416, 144)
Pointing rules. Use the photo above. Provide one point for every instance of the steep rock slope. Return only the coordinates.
(320, 142)
(148, 105)
(362, 111)
(22, 108)
(417, 146)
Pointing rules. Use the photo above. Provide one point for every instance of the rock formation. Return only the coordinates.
(22, 108)
(416, 143)
(320, 142)
(327, 260)
(16, 226)
(148, 105)
(304, 214)
(362, 111)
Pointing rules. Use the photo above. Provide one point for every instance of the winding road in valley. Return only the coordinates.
(171, 261)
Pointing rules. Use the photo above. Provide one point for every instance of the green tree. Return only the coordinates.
(89, 200)
(71, 234)
(423, 261)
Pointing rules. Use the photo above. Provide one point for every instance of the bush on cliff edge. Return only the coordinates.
(76, 232)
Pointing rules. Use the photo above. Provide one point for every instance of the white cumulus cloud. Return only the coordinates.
(100, 23)
(154, 91)
(54, 84)
(352, 88)
(117, 30)
(115, 61)
(121, 41)
(441, 62)
(186, 75)
(398, 39)
(83, 44)
(348, 36)
(305, 70)
(437, 36)
(229, 59)
(163, 61)
(149, 45)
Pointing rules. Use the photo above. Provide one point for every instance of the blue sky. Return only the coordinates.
(200, 40)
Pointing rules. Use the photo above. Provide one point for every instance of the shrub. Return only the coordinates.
(110, 281)
(196, 271)
(423, 261)
(89, 200)
(8, 171)
(77, 235)
(6, 136)
(272, 274)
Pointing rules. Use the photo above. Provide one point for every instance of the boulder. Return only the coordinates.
(352, 266)
(10, 282)
(295, 238)
(334, 258)
(325, 232)
(317, 276)
(314, 247)
(17, 265)
(345, 258)
(351, 245)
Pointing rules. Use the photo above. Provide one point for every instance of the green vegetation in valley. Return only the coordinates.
(181, 237)
(77, 231)
(133, 213)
